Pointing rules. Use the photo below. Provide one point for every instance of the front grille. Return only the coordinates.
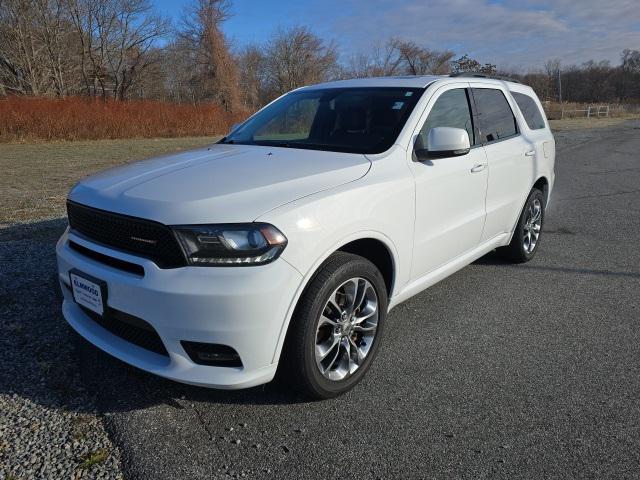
(129, 328)
(146, 238)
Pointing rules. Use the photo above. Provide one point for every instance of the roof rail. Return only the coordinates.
(482, 75)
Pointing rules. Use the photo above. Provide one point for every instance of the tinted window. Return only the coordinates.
(496, 118)
(294, 124)
(450, 110)
(358, 120)
(530, 110)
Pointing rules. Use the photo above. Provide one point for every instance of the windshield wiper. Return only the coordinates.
(226, 141)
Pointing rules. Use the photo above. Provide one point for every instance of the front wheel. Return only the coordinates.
(526, 237)
(336, 329)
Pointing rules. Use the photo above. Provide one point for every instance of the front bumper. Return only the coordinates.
(242, 307)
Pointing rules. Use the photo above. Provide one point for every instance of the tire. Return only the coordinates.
(312, 332)
(524, 243)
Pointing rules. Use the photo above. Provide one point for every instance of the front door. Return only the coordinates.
(450, 191)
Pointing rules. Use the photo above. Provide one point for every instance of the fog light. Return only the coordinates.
(212, 354)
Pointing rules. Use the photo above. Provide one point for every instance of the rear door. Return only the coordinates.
(509, 154)
(536, 128)
(450, 192)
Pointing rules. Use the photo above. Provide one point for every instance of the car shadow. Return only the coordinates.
(494, 259)
(45, 361)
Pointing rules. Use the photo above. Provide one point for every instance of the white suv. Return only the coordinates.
(283, 247)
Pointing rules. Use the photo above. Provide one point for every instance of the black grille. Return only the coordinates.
(129, 328)
(134, 235)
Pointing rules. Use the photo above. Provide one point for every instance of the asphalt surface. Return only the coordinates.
(499, 371)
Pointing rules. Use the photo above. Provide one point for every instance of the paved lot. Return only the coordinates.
(499, 371)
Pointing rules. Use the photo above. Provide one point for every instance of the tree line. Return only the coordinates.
(123, 49)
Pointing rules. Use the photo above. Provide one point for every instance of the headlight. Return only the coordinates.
(230, 244)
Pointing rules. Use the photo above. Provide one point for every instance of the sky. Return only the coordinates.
(516, 34)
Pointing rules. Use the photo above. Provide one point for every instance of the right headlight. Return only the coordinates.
(233, 244)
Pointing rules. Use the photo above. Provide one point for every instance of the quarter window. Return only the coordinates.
(530, 110)
(450, 110)
(496, 118)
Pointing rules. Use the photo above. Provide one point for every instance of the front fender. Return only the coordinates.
(314, 268)
(380, 206)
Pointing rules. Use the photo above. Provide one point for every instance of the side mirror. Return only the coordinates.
(444, 142)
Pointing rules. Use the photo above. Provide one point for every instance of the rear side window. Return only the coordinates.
(530, 110)
(450, 110)
(496, 118)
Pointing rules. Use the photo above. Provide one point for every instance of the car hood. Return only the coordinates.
(219, 184)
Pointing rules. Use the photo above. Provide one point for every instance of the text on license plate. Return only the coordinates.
(86, 293)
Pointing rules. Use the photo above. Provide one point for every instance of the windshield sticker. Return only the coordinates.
(397, 106)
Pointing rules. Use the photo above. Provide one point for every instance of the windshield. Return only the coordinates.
(356, 120)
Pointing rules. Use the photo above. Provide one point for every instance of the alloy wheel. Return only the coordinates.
(346, 329)
(532, 226)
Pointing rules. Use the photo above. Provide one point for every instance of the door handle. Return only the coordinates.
(478, 167)
(530, 153)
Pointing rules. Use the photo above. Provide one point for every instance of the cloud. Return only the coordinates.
(518, 33)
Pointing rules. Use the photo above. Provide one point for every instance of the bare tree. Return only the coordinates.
(297, 57)
(115, 38)
(251, 62)
(136, 30)
(419, 60)
(552, 69)
(629, 83)
(22, 55)
(215, 68)
(57, 38)
(382, 60)
(177, 64)
(398, 57)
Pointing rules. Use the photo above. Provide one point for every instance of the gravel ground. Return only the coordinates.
(49, 427)
(498, 371)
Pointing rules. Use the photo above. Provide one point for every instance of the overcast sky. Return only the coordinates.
(514, 34)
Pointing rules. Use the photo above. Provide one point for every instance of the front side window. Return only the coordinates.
(530, 110)
(496, 118)
(450, 110)
(355, 120)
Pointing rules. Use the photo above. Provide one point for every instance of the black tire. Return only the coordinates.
(516, 252)
(297, 366)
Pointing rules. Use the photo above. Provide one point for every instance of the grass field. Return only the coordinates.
(36, 177)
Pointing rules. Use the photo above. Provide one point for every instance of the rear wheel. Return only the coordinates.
(527, 235)
(336, 329)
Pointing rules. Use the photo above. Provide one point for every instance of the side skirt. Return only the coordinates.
(444, 271)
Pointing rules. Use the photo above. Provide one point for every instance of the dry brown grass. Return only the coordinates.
(554, 110)
(587, 123)
(24, 119)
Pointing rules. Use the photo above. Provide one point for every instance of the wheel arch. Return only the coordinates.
(542, 184)
(374, 246)
(377, 253)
